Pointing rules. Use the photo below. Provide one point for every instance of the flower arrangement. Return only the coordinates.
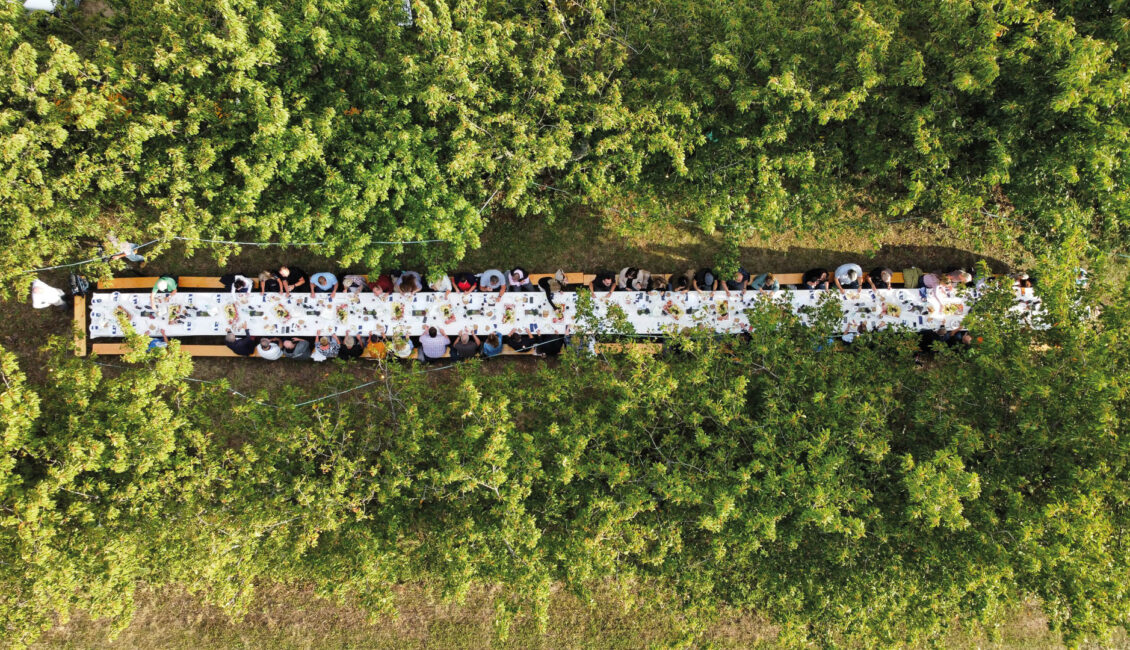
(176, 313)
(953, 309)
(448, 314)
(231, 312)
(281, 312)
(397, 311)
(342, 313)
(893, 310)
(508, 315)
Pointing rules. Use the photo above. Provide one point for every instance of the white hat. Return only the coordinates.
(162, 285)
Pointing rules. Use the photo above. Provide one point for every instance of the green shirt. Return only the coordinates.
(172, 284)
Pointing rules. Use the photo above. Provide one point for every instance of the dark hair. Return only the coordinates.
(632, 273)
(409, 283)
(432, 332)
(493, 340)
(681, 283)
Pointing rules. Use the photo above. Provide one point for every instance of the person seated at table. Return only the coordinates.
(382, 285)
(165, 286)
(401, 346)
(440, 283)
(351, 348)
(162, 342)
(550, 345)
(492, 280)
(521, 341)
(552, 285)
(236, 283)
(492, 346)
(519, 280)
(657, 283)
(354, 283)
(880, 278)
(847, 276)
(466, 346)
(375, 347)
(604, 281)
(296, 349)
(704, 280)
(466, 282)
(244, 346)
(632, 279)
(408, 285)
(1022, 281)
(814, 280)
(739, 282)
(269, 282)
(326, 347)
(269, 349)
(959, 276)
(955, 337)
(765, 282)
(433, 345)
(680, 283)
(324, 282)
(291, 278)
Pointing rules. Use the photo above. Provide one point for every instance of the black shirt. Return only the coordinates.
(877, 279)
(552, 345)
(464, 350)
(353, 352)
(700, 278)
(735, 286)
(296, 276)
(598, 282)
(520, 342)
(243, 346)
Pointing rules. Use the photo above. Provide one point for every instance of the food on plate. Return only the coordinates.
(508, 315)
(231, 311)
(953, 309)
(723, 310)
(342, 313)
(281, 312)
(397, 311)
(672, 310)
(893, 310)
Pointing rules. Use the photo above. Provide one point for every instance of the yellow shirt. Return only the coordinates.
(375, 350)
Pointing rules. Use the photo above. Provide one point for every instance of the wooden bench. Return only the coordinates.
(128, 283)
(194, 282)
(192, 350)
(80, 325)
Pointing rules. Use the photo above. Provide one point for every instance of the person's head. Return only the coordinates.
(606, 280)
(432, 332)
(658, 283)
(162, 285)
(230, 338)
(518, 275)
(852, 275)
(409, 284)
(967, 338)
(964, 277)
(493, 340)
(324, 342)
(265, 276)
(284, 272)
(885, 275)
(349, 341)
(265, 343)
(288, 345)
(681, 283)
(240, 284)
(495, 282)
(463, 337)
(464, 284)
(632, 273)
(323, 281)
(738, 277)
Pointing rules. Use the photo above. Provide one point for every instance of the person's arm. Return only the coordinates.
(839, 286)
(333, 294)
(335, 339)
(164, 337)
(153, 298)
(476, 337)
(311, 289)
(870, 282)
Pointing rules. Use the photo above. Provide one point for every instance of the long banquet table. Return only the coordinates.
(201, 313)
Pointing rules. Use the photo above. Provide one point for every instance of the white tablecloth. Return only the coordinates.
(274, 314)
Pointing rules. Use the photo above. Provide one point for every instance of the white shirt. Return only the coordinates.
(45, 295)
(247, 283)
(842, 273)
(269, 353)
(444, 284)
